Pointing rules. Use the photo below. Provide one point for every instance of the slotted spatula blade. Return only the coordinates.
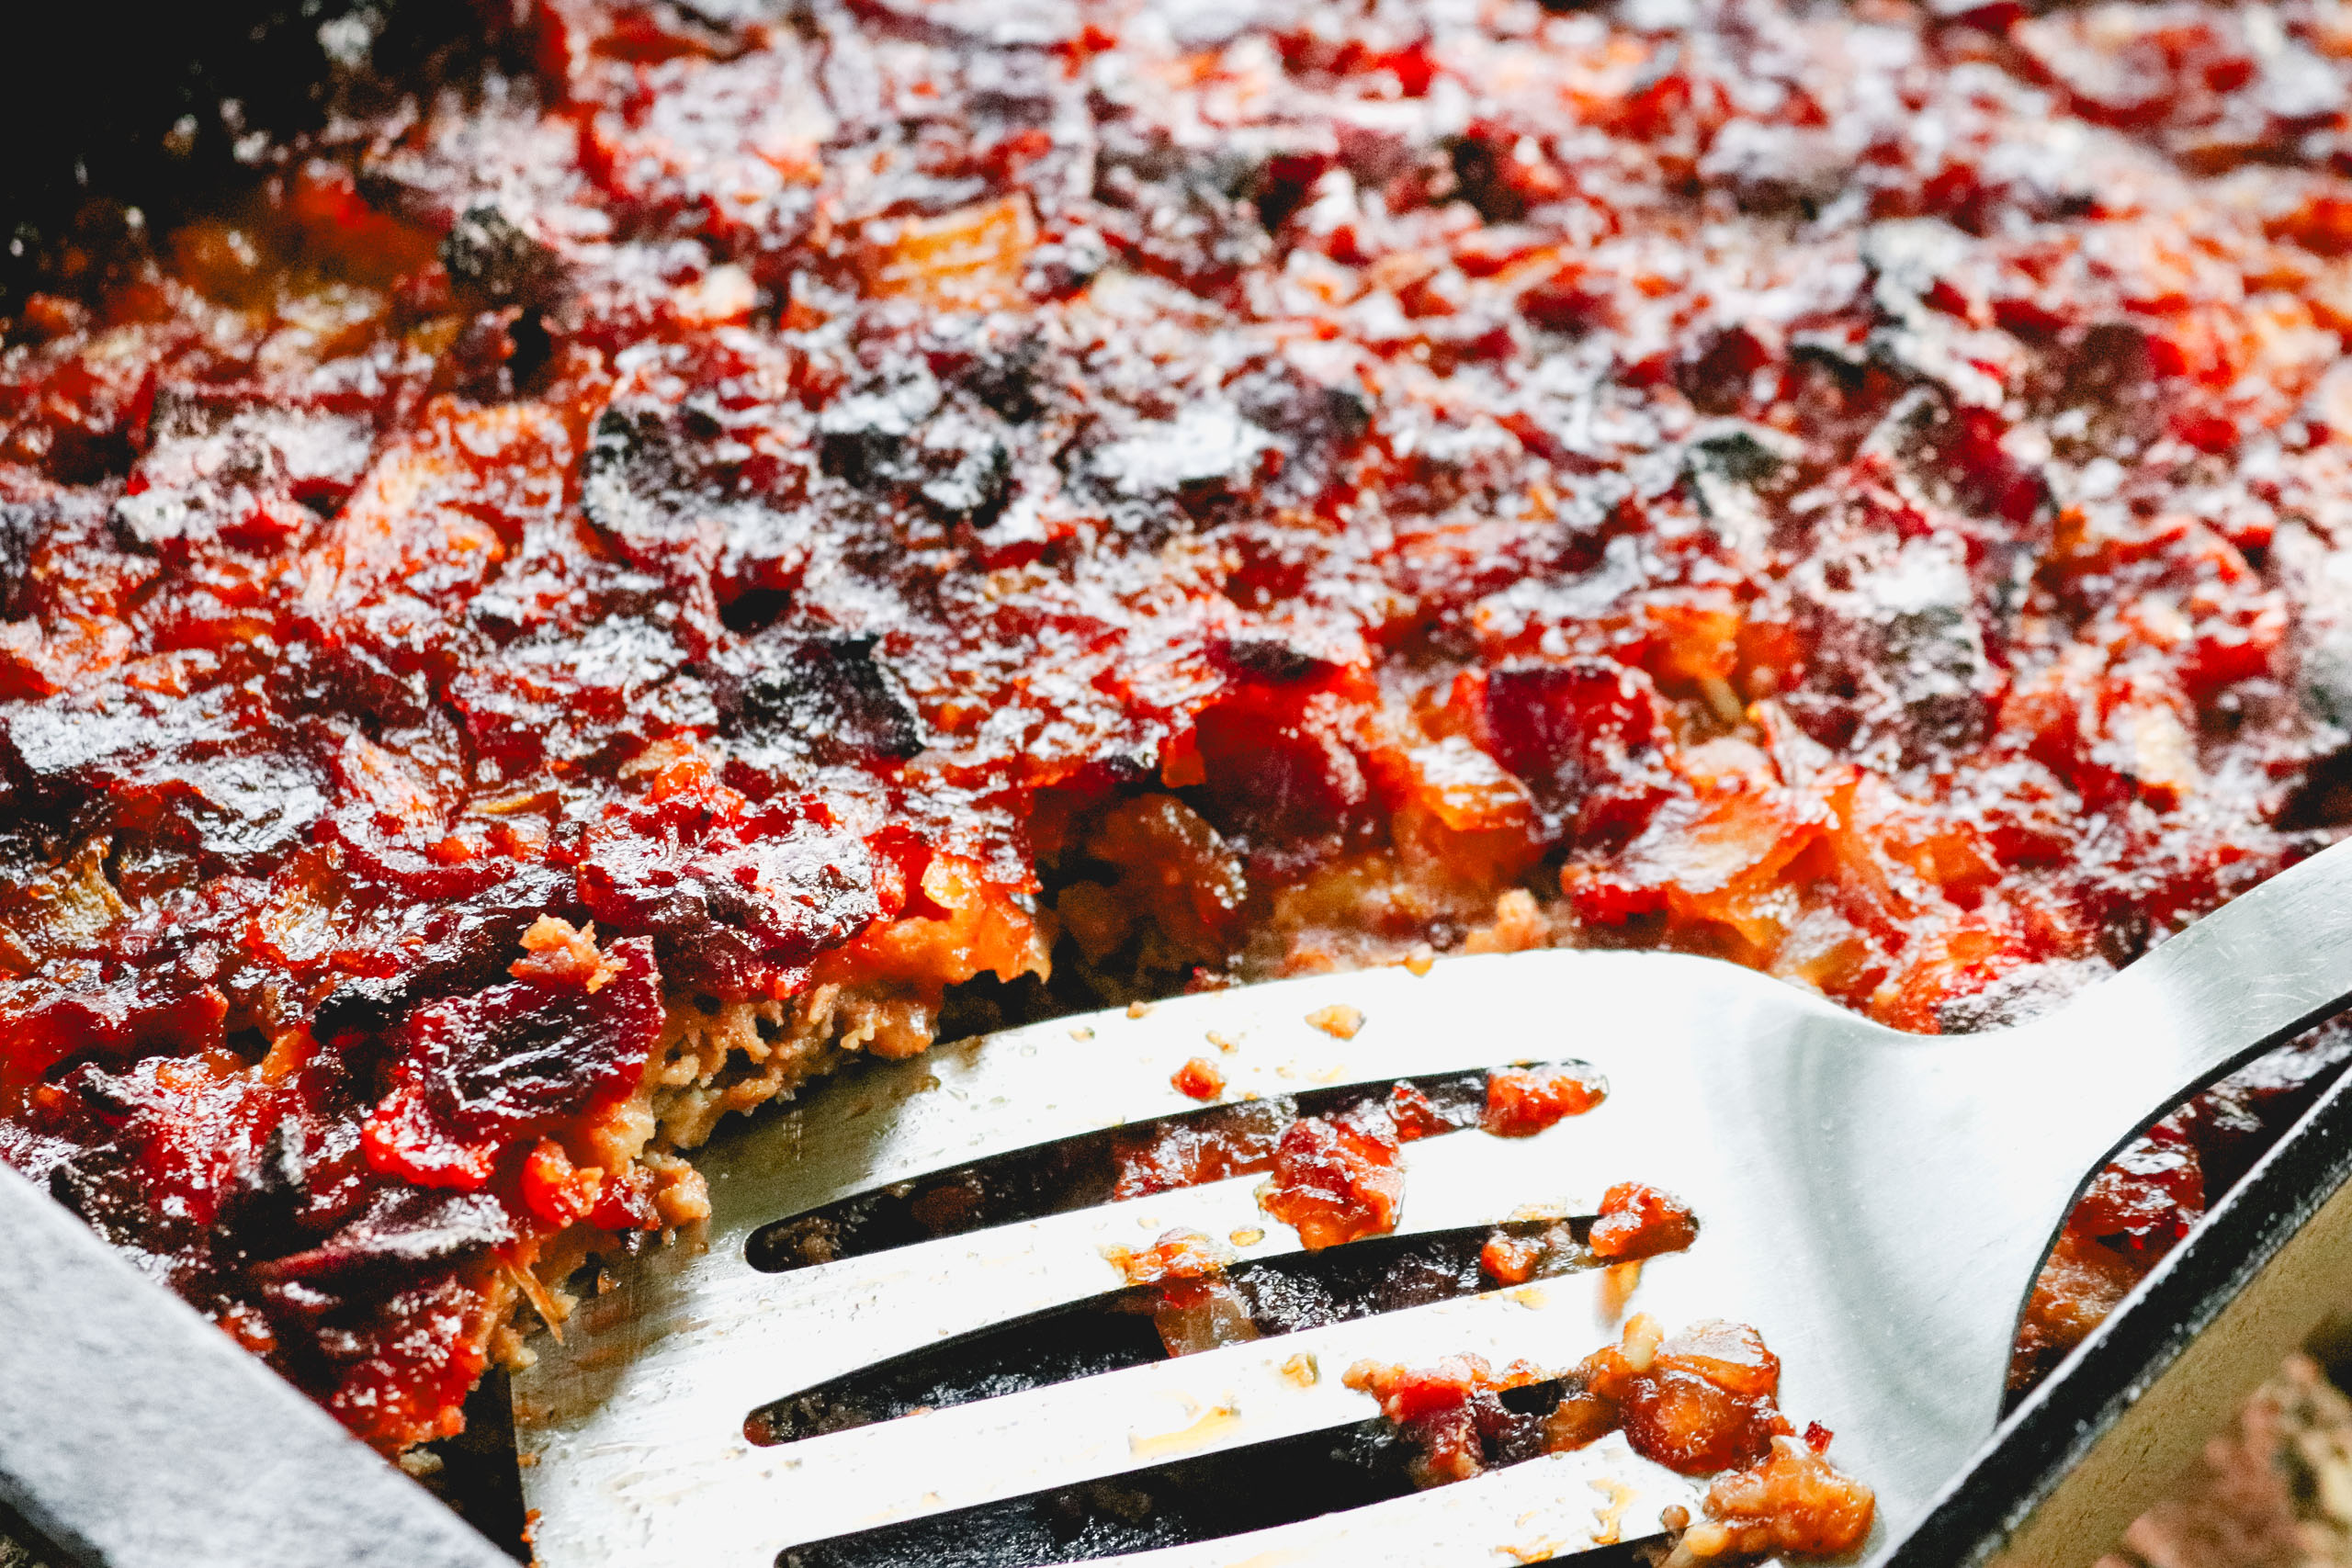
(1874, 1203)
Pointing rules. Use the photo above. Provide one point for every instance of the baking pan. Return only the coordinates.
(2092, 1446)
(125, 100)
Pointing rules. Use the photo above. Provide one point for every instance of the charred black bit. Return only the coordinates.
(493, 263)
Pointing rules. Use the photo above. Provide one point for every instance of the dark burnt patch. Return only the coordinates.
(729, 909)
(794, 702)
(493, 263)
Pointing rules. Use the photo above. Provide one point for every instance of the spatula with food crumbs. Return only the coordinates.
(933, 1317)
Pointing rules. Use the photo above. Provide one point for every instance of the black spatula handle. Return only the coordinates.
(134, 1434)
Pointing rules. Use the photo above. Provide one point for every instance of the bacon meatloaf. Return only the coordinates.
(719, 534)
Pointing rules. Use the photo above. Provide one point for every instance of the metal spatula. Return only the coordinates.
(1874, 1203)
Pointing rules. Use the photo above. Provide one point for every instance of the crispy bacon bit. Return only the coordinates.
(1730, 1355)
(1793, 1502)
(556, 953)
(1192, 1315)
(1523, 1101)
(1335, 1182)
(736, 895)
(1514, 1256)
(1179, 1254)
(1640, 1222)
(1339, 1020)
(1581, 1418)
(1450, 1413)
(1195, 1307)
(554, 1189)
(1415, 1115)
(1199, 1079)
(1408, 1394)
(1241, 1137)
(626, 1203)
(1508, 1259)
(1691, 1425)
(1700, 1402)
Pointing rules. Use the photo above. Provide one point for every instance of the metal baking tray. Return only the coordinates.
(2099, 1441)
(93, 90)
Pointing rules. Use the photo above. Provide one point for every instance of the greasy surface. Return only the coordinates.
(907, 491)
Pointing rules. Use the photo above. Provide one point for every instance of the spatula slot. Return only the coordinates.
(1159, 1156)
(1125, 1328)
(1203, 1498)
